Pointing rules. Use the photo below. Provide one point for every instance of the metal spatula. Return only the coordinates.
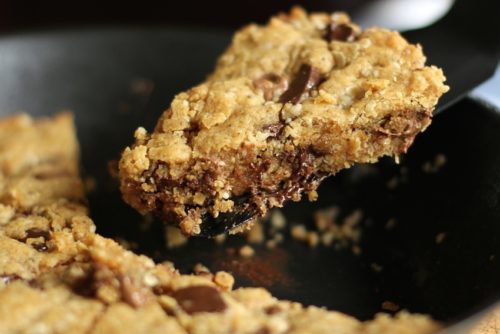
(465, 43)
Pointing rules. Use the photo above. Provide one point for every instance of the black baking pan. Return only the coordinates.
(116, 79)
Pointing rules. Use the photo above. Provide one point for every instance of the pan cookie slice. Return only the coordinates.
(116, 291)
(102, 294)
(43, 216)
(288, 104)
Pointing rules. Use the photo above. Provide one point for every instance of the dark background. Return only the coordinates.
(18, 15)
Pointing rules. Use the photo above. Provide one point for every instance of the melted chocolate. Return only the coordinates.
(271, 84)
(340, 32)
(306, 79)
(34, 233)
(199, 298)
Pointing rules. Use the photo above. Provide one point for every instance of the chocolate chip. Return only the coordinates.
(273, 309)
(41, 247)
(271, 84)
(191, 132)
(307, 78)
(199, 298)
(404, 125)
(36, 232)
(303, 177)
(340, 32)
(85, 285)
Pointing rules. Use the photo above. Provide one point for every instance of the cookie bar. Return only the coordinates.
(58, 310)
(288, 104)
(58, 276)
(43, 216)
(120, 292)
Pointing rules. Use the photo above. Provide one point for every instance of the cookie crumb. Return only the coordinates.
(174, 237)
(270, 244)
(325, 218)
(327, 238)
(220, 239)
(244, 227)
(246, 251)
(299, 232)
(90, 184)
(312, 239)
(328, 232)
(278, 237)
(312, 196)
(376, 267)
(391, 223)
(390, 306)
(277, 219)
(434, 165)
(141, 87)
(440, 237)
(224, 280)
(393, 183)
(256, 234)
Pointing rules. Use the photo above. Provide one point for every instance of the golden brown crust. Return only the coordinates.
(287, 104)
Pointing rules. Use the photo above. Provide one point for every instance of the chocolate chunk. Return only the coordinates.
(191, 132)
(36, 232)
(271, 84)
(85, 285)
(273, 309)
(199, 298)
(340, 32)
(41, 247)
(302, 178)
(404, 125)
(307, 78)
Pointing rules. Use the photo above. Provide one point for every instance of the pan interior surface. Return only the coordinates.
(429, 240)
